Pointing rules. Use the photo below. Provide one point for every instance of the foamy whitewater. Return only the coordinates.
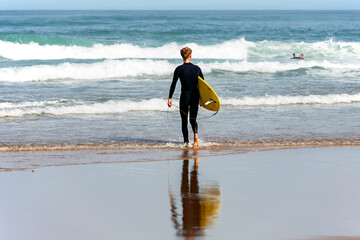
(100, 79)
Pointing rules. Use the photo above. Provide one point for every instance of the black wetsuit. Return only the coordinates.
(189, 98)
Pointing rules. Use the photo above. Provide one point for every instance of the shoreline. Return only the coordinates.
(24, 160)
(171, 145)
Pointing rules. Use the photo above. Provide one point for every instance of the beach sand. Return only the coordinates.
(300, 193)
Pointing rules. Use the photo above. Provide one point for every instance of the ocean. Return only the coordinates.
(73, 80)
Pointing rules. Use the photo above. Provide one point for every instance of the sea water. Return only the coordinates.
(100, 79)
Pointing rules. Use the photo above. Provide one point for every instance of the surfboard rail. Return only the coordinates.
(208, 97)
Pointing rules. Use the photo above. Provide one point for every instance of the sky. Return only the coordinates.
(179, 5)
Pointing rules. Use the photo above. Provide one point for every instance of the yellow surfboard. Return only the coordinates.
(208, 97)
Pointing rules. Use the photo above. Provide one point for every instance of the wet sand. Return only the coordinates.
(301, 193)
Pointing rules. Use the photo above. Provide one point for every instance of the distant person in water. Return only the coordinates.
(301, 56)
(189, 97)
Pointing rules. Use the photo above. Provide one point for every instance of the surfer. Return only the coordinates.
(301, 56)
(189, 97)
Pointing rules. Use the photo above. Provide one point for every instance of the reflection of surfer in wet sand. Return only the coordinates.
(199, 208)
(301, 56)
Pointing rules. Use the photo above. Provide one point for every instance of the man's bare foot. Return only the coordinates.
(196, 141)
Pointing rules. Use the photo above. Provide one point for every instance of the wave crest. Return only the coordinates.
(108, 69)
(70, 107)
(112, 69)
(270, 100)
(236, 49)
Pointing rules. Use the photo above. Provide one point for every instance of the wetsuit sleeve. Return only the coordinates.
(173, 84)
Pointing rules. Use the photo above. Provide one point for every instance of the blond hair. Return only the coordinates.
(185, 52)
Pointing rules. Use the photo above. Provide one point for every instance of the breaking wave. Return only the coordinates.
(112, 69)
(269, 100)
(70, 107)
(29, 51)
(236, 49)
(67, 107)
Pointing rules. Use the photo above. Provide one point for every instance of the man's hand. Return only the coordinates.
(169, 102)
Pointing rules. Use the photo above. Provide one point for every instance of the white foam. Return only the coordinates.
(112, 69)
(234, 49)
(107, 69)
(67, 107)
(322, 50)
(270, 100)
(276, 66)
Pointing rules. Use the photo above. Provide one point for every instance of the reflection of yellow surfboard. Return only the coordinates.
(210, 204)
(208, 97)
